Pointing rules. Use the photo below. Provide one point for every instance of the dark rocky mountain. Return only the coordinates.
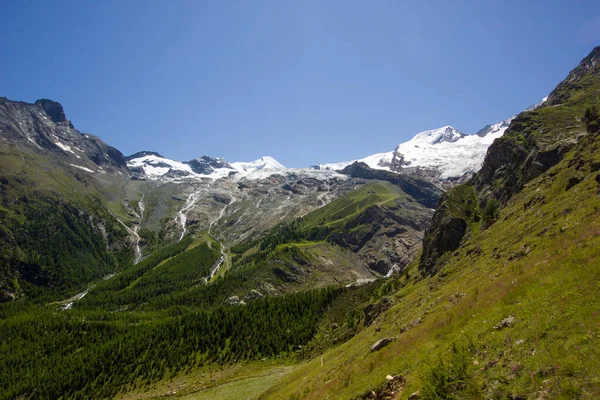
(42, 127)
(206, 165)
(143, 153)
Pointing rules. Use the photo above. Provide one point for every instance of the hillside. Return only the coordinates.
(503, 302)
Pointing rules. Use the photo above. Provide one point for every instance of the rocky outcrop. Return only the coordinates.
(254, 295)
(457, 208)
(43, 127)
(285, 275)
(53, 109)
(372, 311)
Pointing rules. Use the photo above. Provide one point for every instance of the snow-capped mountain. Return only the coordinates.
(451, 153)
(153, 166)
(263, 163)
(442, 154)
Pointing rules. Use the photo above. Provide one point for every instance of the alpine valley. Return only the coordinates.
(453, 266)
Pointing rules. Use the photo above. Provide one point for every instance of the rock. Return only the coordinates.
(206, 165)
(143, 153)
(506, 323)
(253, 295)
(574, 180)
(390, 378)
(381, 343)
(284, 275)
(444, 235)
(6, 296)
(371, 311)
(414, 395)
(234, 301)
(175, 173)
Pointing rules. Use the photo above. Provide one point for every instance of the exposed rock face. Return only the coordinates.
(43, 127)
(446, 236)
(205, 164)
(517, 158)
(285, 275)
(53, 109)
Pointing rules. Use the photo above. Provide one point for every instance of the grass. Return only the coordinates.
(236, 382)
(339, 211)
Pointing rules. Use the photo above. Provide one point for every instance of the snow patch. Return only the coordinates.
(80, 167)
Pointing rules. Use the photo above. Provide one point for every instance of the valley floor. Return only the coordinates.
(235, 382)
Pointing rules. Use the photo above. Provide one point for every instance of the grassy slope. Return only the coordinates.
(539, 265)
(318, 237)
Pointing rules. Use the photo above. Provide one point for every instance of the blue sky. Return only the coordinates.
(302, 81)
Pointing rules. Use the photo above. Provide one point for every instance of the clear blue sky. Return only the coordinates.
(302, 81)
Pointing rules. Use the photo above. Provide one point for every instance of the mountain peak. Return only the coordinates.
(53, 109)
(575, 81)
(143, 153)
(270, 162)
(435, 136)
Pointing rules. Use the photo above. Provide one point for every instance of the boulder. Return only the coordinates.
(253, 295)
(381, 343)
(6, 296)
(234, 301)
(506, 323)
(414, 395)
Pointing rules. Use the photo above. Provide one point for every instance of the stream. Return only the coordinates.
(68, 303)
(222, 259)
(187, 206)
(136, 229)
